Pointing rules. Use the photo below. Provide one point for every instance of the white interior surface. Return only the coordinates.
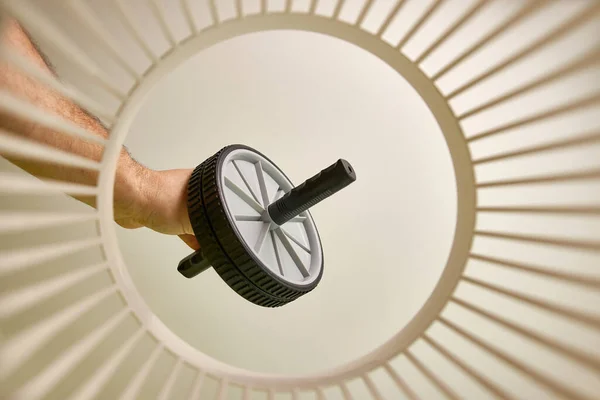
(303, 100)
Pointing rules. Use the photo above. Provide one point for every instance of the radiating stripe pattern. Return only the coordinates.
(522, 81)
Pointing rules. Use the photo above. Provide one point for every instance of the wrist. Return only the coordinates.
(165, 201)
(132, 194)
(154, 199)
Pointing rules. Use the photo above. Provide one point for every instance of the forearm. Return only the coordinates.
(142, 197)
(27, 88)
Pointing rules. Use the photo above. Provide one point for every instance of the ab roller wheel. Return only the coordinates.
(254, 227)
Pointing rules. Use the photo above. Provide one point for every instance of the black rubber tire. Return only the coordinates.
(220, 240)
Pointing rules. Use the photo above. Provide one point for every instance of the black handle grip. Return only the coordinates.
(314, 190)
(193, 264)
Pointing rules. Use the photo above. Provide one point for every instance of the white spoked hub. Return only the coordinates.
(292, 250)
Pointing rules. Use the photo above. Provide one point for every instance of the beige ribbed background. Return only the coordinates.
(304, 100)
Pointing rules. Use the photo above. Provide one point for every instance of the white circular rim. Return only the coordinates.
(284, 234)
(460, 155)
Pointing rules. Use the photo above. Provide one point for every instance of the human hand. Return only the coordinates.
(154, 199)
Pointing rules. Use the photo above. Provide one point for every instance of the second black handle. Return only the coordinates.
(314, 190)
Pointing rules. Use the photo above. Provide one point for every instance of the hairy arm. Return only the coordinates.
(142, 197)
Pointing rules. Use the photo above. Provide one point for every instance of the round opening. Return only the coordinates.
(298, 98)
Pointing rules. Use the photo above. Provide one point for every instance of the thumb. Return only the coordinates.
(190, 240)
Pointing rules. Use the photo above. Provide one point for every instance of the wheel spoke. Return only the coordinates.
(27, 221)
(135, 384)
(136, 33)
(277, 256)
(39, 24)
(198, 384)
(251, 218)
(187, 11)
(262, 236)
(22, 257)
(102, 37)
(14, 146)
(261, 182)
(302, 246)
(159, 14)
(102, 376)
(213, 12)
(290, 249)
(23, 109)
(242, 195)
(299, 218)
(239, 171)
(278, 194)
(165, 392)
(34, 71)
(19, 184)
